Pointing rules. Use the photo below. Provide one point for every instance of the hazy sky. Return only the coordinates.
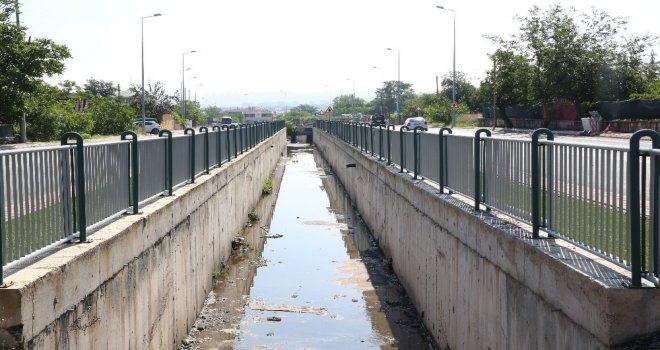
(261, 51)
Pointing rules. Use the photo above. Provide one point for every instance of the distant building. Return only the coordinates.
(126, 96)
(254, 115)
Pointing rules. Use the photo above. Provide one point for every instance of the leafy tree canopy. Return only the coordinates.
(100, 88)
(562, 53)
(24, 62)
(343, 104)
(156, 101)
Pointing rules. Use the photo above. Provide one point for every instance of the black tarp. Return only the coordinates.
(632, 109)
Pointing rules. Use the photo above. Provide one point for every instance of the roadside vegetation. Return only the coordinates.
(558, 54)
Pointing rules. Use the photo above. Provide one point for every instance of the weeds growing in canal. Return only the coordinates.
(267, 187)
(252, 218)
(217, 274)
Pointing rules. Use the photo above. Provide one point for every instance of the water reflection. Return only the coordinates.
(322, 284)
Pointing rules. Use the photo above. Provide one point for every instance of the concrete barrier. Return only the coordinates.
(480, 282)
(140, 282)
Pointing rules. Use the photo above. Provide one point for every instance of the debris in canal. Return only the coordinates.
(237, 243)
(259, 305)
(274, 319)
(277, 235)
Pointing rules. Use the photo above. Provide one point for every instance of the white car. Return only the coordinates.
(149, 126)
(414, 122)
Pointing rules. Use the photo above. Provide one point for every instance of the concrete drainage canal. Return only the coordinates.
(306, 274)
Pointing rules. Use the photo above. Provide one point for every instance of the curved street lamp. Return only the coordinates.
(398, 80)
(352, 98)
(144, 120)
(453, 81)
(183, 82)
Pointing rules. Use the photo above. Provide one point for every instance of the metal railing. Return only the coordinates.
(602, 198)
(54, 194)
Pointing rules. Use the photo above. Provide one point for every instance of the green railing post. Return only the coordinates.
(248, 136)
(635, 224)
(477, 166)
(389, 143)
(380, 142)
(401, 146)
(168, 161)
(218, 145)
(241, 130)
(80, 183)
(536, 179)
(227, 127)
(134, 167)
(205, 130)
(235, 139)
(442, 154)
(416, 149)
(3, 233)
(371, 138)
(191, 144)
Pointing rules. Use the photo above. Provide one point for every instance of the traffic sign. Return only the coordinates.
(454, 105)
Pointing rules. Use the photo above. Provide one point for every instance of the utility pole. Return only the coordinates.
(23, 122)
(494, 94)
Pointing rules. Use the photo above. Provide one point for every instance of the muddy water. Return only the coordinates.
(310, 277)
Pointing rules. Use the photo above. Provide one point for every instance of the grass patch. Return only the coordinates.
(267, 187)
(252, 218)
(217, 274)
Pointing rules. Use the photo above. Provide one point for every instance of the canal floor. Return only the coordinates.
(309, 277)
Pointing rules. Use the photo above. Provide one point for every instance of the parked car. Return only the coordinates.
(378, 120)
(414, 122)
(139, 119)
(149, 126)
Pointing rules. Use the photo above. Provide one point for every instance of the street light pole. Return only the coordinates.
(183, 82)
(144, 119)
(453, 82)
(352, 98)
(398, 80)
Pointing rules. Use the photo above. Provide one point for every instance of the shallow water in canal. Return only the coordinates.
(309, 277)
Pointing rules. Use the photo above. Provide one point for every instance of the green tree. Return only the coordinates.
(386, 96)
(24, 63)
(100, 88)
(510, 83)
(578, 56)
(651, 91)
(465, 91)
(309, 109)
(195, 113)
(51, 112)
(111, 117)
(213, 112)
(433, 107)
(343, 104)
(156, 100)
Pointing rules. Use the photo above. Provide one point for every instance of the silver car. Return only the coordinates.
(413, 122)
(149, 126)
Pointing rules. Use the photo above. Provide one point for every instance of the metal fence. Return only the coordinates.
(603, 198)
(55, 194)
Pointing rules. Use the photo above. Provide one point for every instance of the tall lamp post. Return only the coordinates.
(398, 80)
(144, 120)
(183, 81)
(352, 98)
(453, 82)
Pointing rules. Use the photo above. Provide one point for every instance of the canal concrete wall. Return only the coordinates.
(141, 281)
(480, 282)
